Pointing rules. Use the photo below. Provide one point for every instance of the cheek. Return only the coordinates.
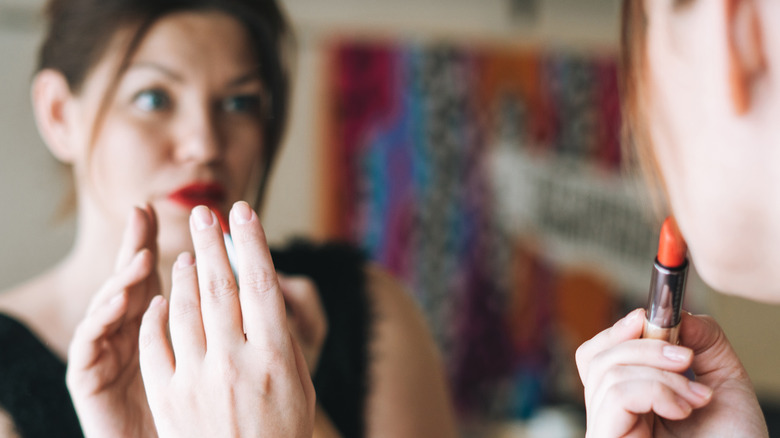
(724, 202)
(243, 159)
(126, 160)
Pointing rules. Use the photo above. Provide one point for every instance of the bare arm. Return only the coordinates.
(409, 395)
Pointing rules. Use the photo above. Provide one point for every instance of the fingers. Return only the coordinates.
(155, 355)
(618, 413)
(713, 353)
(135, 272)
(134, 238)
(645, 352)
(186, 323)
(84, 348)
(626, 377)
(305, 376)
(630, 327)
(221, 311)
(658, 386)
(262, 303)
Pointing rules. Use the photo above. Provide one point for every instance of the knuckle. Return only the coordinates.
(258, 280)
(184, 308)
(247, 235)
(226, 369)
(220, 287)
(146, 339)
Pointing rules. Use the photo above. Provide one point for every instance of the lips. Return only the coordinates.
(212, 195)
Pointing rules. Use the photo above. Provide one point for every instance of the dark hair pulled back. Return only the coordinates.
(80, 31)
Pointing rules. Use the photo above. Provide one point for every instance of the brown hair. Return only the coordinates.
(80, 31)
(636, 140)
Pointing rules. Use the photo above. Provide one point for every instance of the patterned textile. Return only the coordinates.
(414, 135)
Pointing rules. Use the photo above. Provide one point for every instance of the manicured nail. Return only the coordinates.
(157, 300)
(203, 217)
(631, 317)
(242, 213)
(683, 404)
(697, 388)
(184, 260)
(677, 354)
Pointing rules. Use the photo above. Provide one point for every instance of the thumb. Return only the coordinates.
(712, 350)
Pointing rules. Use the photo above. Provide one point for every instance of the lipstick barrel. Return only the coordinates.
(664, 306)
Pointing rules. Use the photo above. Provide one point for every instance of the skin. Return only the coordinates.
(184, 112)
(712, 83)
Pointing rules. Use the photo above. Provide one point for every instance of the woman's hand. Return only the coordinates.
(212, 379)
(635, 387)
(103, 374)
(305, 316)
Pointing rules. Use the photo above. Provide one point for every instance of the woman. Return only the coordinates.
(167, 105)
(701, 93)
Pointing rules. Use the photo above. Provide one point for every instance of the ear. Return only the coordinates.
(50, 97)
(746, 55)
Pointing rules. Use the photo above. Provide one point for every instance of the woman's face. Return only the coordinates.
(183, 128)
(721, 166)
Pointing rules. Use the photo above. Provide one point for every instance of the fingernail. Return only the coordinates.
(242, 213)
(157, 300)
(203, 217)
(677, 354)
(683, 404)
(184, 260)
(697, 388)
(631, 317)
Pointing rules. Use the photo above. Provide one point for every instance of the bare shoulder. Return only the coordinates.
(35, 305)
(409, 395)
(7, 429)
(26, 300)
(392, 302)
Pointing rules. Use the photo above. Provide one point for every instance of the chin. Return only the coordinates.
(174, 235)
(757, 282)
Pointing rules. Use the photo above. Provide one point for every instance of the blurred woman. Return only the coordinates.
(170, 105)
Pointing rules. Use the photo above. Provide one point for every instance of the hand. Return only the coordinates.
(633, 387)
(212, 379)
(305, 316)
(103, 374)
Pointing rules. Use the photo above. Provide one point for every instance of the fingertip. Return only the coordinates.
(241, 213)
(184, 260)
(632, 318)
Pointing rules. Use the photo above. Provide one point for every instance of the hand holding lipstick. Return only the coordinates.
(635, 387)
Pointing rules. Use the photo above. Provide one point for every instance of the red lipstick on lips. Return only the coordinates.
(667, 286)
(212, 195)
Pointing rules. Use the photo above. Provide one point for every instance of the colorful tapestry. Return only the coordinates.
(415, 138)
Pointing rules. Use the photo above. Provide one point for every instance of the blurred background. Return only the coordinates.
(472, 148)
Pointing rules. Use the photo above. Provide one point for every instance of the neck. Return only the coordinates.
(92, 258)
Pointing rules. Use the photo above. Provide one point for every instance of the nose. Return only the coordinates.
(199, 138)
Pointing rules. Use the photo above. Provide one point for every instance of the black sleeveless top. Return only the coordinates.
(32, 378)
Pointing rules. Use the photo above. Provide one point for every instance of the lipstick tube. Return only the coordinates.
(667, 286)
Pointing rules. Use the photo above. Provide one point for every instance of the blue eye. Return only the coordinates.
(248, 103)
(152, 100)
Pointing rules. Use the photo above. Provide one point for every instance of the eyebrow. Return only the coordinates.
(160, 68)
(239, 81)
(253, 75)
